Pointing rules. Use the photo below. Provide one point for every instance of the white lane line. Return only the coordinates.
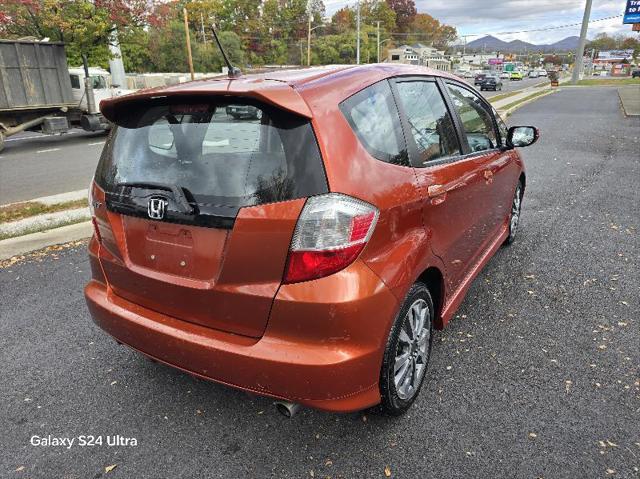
(39, 135)
(96, 143)
(48, 150)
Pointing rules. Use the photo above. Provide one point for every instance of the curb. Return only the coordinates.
(55, 199)
(628, 109)
(24, 244)
(43, 222)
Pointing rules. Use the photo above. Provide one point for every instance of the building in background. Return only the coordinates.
(419, 54)
(614, 62)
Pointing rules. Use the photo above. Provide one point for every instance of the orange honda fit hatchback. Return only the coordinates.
(300, 234)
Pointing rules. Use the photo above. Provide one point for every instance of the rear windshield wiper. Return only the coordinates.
(178, 192)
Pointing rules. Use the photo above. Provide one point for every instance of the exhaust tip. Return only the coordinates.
(287, 409)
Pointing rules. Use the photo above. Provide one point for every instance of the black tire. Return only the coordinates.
(516, 203)
(393, 403)
(1, 142)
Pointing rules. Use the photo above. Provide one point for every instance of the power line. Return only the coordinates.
(569, 25)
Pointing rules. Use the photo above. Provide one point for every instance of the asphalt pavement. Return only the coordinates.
(34, 165)
(537, 375)
(508, 85)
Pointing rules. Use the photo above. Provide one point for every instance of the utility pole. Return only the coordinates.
(116, 66)
(309, 42)
(186, 30)
(204, 37)
(358, 33)
(577, 66)
(378, 40)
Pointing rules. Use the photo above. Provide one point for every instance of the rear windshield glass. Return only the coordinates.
(224, 156)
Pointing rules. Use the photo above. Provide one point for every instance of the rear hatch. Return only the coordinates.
(200, 204)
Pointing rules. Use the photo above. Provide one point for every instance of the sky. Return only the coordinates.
(497, 16)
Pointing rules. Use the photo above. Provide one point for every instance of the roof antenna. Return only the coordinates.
(233, 71)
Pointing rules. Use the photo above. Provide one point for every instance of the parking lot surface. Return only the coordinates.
(537, 375)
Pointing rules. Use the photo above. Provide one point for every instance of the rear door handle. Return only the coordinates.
(437, 194)
(436, 190)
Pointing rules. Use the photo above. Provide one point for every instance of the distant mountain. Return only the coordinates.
(569, 43)
(493, 44)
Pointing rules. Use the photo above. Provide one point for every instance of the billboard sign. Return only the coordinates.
(613, 55)
(495, 61)
(632, 12)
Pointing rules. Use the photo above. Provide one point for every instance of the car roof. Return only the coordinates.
(283, 88)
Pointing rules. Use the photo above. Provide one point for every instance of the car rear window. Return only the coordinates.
(223, 155)
(373, 116)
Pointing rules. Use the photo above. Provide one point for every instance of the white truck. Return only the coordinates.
(39, 92)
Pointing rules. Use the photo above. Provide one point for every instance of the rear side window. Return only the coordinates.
(476, 119)
(224, 156)
(373, 116)
(429, 119)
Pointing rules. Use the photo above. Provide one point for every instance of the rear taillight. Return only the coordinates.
(331, 232)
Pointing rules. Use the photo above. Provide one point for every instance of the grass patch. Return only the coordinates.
(19, 211)
(608, 82)
(527, 98)
(39, 228)
(502, 96)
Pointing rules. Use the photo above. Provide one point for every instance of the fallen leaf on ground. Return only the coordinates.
(387, 471)
(110, 468)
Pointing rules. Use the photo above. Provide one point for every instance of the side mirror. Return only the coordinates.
(520, 136)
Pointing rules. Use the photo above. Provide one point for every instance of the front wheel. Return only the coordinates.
(514, 217)
(406, 356)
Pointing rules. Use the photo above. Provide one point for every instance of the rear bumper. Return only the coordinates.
(338, 373)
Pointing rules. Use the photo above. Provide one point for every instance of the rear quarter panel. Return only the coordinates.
(398, 251)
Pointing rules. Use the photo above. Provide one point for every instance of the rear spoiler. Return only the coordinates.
(273, 92)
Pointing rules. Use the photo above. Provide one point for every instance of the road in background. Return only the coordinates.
(34, 165)
(536, 376)
(509, 85)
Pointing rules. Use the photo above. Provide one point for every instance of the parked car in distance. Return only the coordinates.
(479, 78)
(533, 74)
(635, 74)
(505, 75)
(469, 74)
(542, 73)
(491, 83)
(310, 253)
(516, 75)
(243, 112)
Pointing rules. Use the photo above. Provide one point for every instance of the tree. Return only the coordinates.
(553, 59)
(87, 27)
(405, 12)
(343, 20)
(602, 42)
(430, 31)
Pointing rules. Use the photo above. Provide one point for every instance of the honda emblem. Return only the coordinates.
(156, 208)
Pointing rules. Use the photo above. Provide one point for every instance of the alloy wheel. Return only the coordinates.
(413, 349)
(515, 211)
